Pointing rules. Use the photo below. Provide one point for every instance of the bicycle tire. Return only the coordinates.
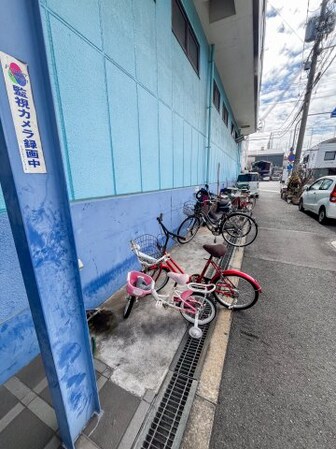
(128, 307)
(188, 229)
(235, 284)
(210, 310)
(160, 277)
(236, 235)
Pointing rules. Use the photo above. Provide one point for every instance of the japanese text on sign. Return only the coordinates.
(22, 107)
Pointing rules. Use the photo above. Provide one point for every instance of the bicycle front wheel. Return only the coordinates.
(207, 309)
(239, 229)
(188, 229)
(235, 292)
(159, 275)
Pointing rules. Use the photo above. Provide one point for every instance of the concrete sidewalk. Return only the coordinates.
(132, 360)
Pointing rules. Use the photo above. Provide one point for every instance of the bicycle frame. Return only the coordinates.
(175, 296)
(169, 264)
(220, 272)
(214, 226)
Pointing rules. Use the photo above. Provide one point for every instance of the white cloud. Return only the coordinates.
(284, 80)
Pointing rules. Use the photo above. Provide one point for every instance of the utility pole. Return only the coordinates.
(310, 82)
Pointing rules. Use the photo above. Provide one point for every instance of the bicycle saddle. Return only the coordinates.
(215, 250)
(179, 278)
(215, 215)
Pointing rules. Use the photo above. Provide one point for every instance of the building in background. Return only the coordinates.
(321, 159)
(152, 100)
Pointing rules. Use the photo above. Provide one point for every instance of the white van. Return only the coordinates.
(249, 181)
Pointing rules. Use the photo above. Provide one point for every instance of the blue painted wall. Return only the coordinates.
(103, 229)
(132, 118)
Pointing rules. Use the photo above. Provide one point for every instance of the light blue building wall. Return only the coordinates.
(133, 122)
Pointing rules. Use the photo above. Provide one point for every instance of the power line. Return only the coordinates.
(286, 22)
(310, 82)
(304, 42)
(294, 101)
(319, 76)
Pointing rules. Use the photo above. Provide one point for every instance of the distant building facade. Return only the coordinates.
(321, 159)
(277, 158)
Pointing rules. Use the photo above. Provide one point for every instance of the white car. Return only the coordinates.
(320, 198)
(249, 181)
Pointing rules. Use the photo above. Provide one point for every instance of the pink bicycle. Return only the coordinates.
(190, 299)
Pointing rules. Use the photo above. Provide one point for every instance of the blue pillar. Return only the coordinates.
(39, 214)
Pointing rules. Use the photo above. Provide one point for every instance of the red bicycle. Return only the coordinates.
(241, 200)
(234, 288)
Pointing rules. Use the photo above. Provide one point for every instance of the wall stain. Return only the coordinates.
(75, 380)
(102, 281)
(68, 354)
(48, 231)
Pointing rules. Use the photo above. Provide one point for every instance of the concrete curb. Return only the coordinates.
(204, 406)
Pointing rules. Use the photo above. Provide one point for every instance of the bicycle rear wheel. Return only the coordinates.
(239, 229)
(207, 309)
(235, 292)
(188, 229)
(160, 276)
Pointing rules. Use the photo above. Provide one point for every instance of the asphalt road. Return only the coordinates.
(278, 388)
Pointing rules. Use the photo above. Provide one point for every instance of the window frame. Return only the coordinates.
(233, 130)
(332, 153)
(225, 115)
(188, 32)
(215, 90)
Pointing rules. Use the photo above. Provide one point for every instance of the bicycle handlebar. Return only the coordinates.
(166, 231)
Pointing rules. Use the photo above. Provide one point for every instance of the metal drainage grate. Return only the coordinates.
(225, 261)
(164, 431)
(189, 358)
(164, 427)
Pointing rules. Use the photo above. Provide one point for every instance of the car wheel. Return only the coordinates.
(322, 218)
(301, 208)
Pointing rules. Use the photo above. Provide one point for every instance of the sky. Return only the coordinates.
(284, 79)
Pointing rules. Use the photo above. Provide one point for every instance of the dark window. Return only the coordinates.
(225, 115)
(216, 96)
(233, 130)
(236, 134)
(184, 34)
(329, 155)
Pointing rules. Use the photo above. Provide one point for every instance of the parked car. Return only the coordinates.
(276, 177)
(249, 181)
(320, 198)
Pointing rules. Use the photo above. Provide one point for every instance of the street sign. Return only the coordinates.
(289, 167)
(24, 116)
(291, 157)
(333, 113)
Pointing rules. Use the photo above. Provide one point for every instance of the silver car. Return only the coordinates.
(320, 198)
